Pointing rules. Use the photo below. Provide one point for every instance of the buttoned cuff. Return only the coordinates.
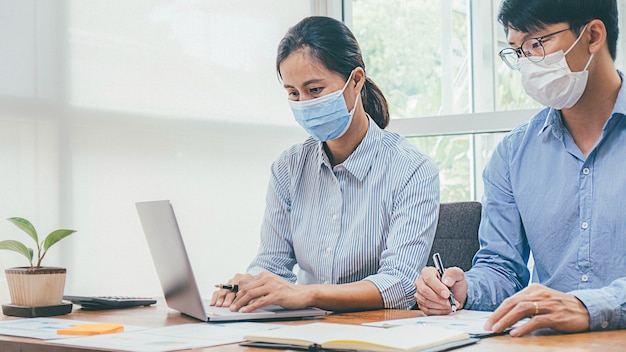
(604, 313)
(394, 295)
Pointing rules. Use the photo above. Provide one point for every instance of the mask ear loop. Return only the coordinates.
(356, 100)
(577, 40)
(348, 81)
(357, 96)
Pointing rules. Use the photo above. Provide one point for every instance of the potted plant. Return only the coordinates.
(35, 285)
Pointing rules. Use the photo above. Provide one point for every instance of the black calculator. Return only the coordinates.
(109, 302)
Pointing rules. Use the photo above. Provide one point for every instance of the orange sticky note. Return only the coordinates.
(91, 329)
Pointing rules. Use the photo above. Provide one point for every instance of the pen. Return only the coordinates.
(439, 266)
(232, 288)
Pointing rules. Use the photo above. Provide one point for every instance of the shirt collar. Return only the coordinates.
(620, 104)
(554, 118)
(555, 121)
(360, 161)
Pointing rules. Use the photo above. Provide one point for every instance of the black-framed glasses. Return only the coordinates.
(531, 48)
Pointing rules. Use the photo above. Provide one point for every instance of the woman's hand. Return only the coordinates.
(224, 297)
(267, 288)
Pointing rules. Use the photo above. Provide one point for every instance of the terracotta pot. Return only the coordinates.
(32, 287)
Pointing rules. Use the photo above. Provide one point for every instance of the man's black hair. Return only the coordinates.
(534, 15)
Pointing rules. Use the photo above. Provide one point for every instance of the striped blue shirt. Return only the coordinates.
(543, 195)
(373, 217)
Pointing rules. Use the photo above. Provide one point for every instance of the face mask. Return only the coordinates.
(551, 82)
(326, 117)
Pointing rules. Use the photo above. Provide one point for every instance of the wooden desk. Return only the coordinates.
(159, 316)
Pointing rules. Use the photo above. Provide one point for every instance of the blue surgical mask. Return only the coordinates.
(326, 117)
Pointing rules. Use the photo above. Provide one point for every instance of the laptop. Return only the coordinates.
(177, 278)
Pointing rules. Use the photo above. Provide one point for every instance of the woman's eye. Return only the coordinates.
(292, 94)
(315, 90)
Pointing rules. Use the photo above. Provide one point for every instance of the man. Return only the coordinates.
(555, 186)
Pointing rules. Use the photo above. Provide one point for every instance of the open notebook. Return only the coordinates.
(330, 336)
(177, 278)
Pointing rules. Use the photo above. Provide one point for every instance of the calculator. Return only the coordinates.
(109, 302)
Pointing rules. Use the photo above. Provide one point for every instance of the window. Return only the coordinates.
(449, 92)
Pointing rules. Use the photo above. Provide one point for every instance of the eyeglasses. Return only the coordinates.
(531, 48)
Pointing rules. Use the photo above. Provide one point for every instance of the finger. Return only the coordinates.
(214, 298)
(505, 307)
(518, 312)
(247, 295)
(218, 298)
(438, 306)
(431, 285)
(536, 322)
(240, 300)
(255, 304)
(436, 311)
(452, 275)
(228, 298)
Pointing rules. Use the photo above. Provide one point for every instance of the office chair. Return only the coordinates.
(456, 236)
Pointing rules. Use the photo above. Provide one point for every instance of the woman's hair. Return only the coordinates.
(334, 45)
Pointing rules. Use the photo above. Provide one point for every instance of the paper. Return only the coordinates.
(172, 338)
(44, 328)
(471, 322)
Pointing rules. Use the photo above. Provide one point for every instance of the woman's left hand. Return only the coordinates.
(267, 288)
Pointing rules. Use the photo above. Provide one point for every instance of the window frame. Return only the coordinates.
(483, 36)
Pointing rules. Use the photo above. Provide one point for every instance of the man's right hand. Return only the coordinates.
(432, 292)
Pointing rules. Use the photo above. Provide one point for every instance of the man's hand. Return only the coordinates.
(432, 292)
(546, 308)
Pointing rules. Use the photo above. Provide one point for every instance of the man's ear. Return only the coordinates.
(597, 31)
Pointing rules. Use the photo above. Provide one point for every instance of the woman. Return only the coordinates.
(354, 206)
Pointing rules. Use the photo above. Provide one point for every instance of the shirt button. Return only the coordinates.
(586, 171)
(334, 217)
(328, 249)
(585, 278)
(585, 225)
(605, 324)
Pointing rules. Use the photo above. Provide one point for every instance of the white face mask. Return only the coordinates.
(551, 82)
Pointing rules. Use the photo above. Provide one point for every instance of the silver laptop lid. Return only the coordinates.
(170, 257)
(176, 276)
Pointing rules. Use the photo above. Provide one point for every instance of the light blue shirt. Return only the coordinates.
(543, 195)
(373, 217)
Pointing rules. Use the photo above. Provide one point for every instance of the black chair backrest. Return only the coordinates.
(456, 237)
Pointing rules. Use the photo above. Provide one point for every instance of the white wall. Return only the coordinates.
(105, 103)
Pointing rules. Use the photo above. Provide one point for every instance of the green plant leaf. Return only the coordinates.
(25, 226)
(18, 247)
(55, 237)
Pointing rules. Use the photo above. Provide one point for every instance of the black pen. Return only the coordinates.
(231, 288)
(439, 266)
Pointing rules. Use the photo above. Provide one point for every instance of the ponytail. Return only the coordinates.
(374, 103)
